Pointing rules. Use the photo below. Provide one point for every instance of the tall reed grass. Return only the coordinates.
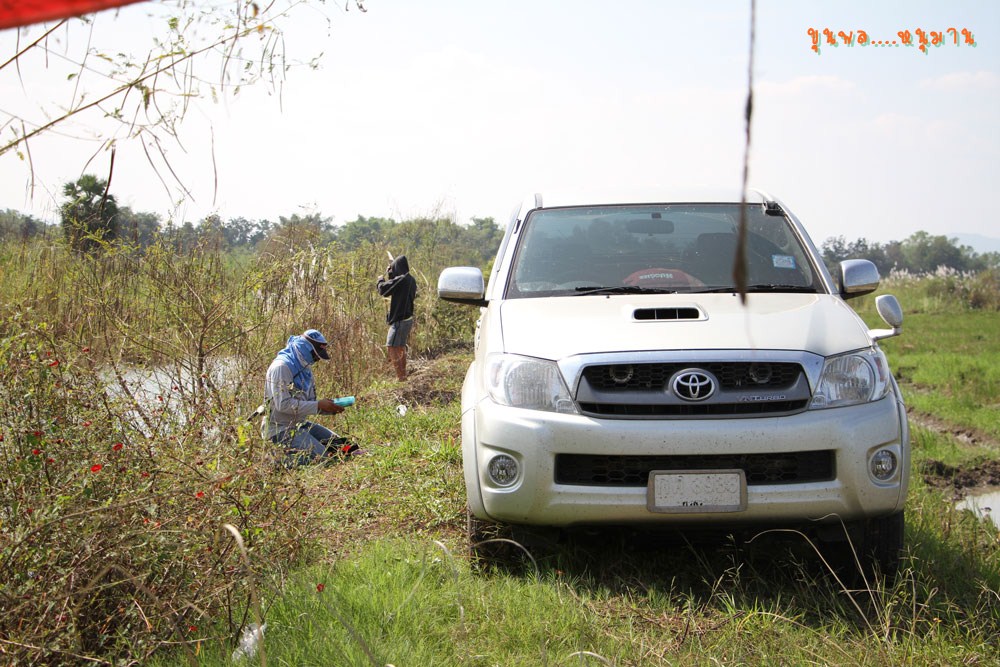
(124, 449)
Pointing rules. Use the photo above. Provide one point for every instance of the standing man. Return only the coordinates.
(401, 288)
(290, 397)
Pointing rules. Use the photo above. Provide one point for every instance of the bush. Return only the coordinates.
(112, 537)
(984, 290)
(948, 288)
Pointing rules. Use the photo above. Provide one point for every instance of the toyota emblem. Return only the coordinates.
(693, 385)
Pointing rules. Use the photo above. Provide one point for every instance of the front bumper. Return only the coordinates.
(534, 439)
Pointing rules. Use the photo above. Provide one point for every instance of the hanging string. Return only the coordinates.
(740, 262)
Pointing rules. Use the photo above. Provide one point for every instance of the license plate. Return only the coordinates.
(696, 491)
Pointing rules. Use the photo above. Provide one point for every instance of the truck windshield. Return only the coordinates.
(684, 248)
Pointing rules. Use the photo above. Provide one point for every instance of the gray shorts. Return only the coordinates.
(399, 333)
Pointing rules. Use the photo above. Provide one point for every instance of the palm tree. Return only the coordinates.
(89, 214)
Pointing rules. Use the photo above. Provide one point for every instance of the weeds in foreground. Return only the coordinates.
(398, 601)
(112, 539)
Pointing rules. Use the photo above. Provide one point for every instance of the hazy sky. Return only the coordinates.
(462, 107)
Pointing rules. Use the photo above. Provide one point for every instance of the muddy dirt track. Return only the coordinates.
(960, 479)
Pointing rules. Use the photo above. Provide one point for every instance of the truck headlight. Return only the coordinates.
(850, 379)
(524, 382)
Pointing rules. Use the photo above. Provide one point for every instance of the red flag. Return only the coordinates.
(14, 13)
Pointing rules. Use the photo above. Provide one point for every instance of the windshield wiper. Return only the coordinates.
(622, 289)
(713, 290)
(760, 287)
(777, 287)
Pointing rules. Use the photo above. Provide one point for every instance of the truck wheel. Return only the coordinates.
(485, 547)
(877, 544)
(882, 545)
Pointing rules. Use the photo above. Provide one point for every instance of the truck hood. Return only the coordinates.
(559, 327)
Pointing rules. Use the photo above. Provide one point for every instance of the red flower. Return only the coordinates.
(200, 494)
(50, 460)
(36, 452)
(87, 423)
(144, 474)
(29, 510)
(320, 587)
(117, 446)
(96, 467)
(54, 362)
(192, 628)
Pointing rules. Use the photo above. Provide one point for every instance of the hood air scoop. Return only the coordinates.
(679, 313)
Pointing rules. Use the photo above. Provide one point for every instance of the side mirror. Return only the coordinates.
(857, 278)
(462, 284)
(889, 309)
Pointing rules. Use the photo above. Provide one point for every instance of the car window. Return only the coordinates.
(670, 248)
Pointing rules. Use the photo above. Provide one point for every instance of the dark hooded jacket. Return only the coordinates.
(401, 288)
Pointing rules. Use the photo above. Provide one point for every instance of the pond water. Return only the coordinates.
(166, 394)
(986, 505)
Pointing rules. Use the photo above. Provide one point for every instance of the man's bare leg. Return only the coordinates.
(397, 355)
(401, 369)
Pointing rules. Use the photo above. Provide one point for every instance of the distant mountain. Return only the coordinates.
(978, 242)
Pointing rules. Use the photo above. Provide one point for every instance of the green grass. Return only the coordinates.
(947, 361)
(950, 368)
(621, 603)
(415, 602)
(397, 587)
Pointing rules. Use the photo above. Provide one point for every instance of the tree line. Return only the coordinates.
(919, 253)
(90, 215)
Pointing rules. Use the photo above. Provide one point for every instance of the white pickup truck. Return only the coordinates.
(629, 370)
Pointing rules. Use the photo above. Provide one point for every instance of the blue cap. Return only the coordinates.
(315, 336)
(318, 342)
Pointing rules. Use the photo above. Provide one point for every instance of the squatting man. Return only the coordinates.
(290, 397)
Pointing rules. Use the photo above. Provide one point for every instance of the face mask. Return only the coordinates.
(318, 350)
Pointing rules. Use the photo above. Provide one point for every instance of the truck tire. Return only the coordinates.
(875, 544)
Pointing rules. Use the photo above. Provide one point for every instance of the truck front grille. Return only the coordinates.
(731, 375)
(738, 389)
(771, 408)
(633, 471)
